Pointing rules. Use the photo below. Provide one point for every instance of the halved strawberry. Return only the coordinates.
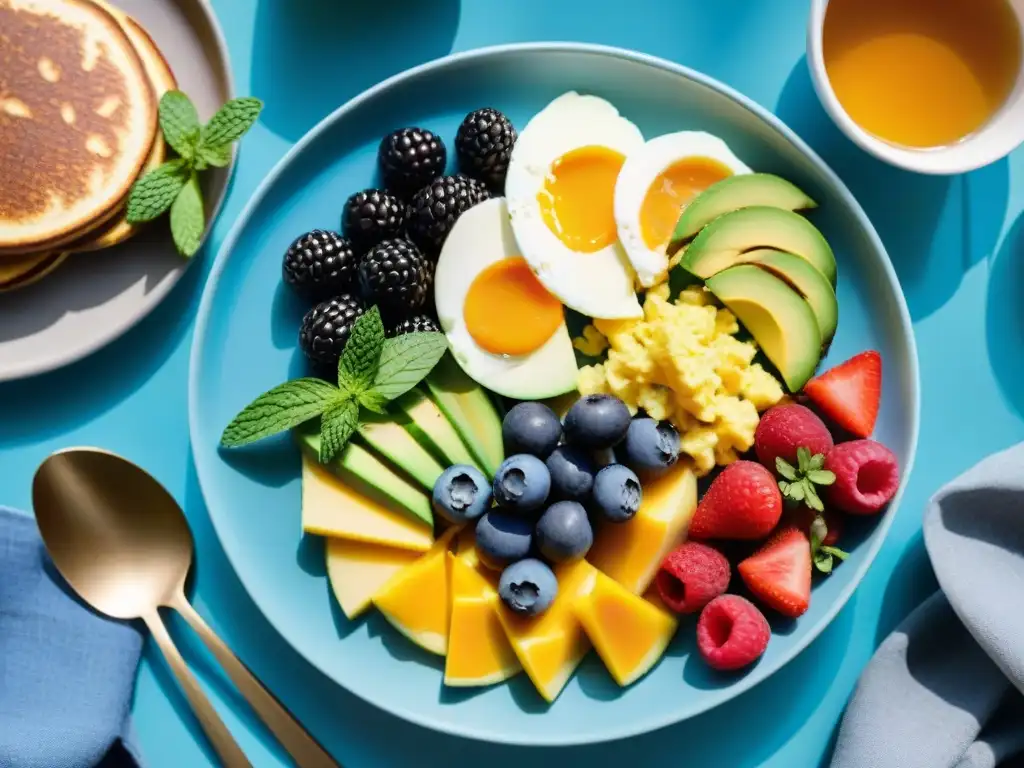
(779, 574)
(849, 394)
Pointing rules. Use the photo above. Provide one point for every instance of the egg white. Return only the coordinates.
(639, 172)
(481, 237)
(599, 284)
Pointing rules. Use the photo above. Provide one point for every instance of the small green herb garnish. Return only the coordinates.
(175, 184)
(372, 371)
(798, 483)
(824, 556)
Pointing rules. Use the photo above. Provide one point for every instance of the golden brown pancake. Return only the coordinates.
(117, 230)
(21, 271)
(77, 120)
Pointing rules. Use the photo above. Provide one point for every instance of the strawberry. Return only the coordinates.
(779, 574)
(743, 502)
(849, 394)
(867, 475)
(785, 428)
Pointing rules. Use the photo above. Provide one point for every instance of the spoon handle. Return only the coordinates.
(224, 744)
(304, 750)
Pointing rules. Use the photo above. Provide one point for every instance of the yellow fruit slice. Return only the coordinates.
(631, 552)
(629, 633)
(358, 570)
(331, 508)
(478, 651)
(552, 645)
(417, 599)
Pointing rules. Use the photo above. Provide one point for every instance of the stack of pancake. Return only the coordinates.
(80, 83)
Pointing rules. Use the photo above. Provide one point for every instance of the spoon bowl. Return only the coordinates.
(115, 533)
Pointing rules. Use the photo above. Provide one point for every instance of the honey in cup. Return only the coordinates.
(921, 73)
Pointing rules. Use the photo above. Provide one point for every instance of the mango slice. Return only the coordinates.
(417, 599)
(631, 552)
(478, 652)
(357, 571)
(629, 633)
(552, 645)
(331, 508)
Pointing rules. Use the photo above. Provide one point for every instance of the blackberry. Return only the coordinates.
(484, 145)
(409, 158)
(436, 207)
(414, 324)
(372, 216)
(319, 264)
(326, 328)
(396, 276)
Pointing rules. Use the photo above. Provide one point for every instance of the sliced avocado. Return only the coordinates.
(470, 411)
(369, 475)
(807, 281)
(421, 417)
(778, 318)
(398, 445)
(735, 192)
(721, 243)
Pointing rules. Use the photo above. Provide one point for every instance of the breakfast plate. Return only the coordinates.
(67, 306)
(260, 498)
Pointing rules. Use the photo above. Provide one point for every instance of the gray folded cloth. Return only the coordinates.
(944, 689)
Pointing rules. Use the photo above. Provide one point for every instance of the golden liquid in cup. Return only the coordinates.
(921, 73)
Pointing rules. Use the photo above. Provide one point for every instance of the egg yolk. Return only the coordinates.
(507, 311)
(577, 201)
(671, 191)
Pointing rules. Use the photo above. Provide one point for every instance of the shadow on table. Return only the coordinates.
(1004, 316)
(323, 52)
(934, 228)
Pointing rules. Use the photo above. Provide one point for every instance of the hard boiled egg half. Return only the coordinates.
(560, 189)
(504, 328)
(656, 182)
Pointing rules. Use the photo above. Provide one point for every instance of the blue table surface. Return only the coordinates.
(955, 243)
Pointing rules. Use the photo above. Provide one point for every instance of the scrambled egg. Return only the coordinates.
(682, 363)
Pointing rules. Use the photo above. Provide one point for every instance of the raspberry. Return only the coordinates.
(785, 428)
(691, 576)
(731, 633)
(867, 476)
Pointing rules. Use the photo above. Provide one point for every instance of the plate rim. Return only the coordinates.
(20, 371)
(759, 673)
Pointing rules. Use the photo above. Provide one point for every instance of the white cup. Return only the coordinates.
(996, 139)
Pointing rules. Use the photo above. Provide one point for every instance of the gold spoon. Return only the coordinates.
(122, 542)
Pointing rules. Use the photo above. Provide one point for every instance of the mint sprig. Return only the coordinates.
(175, 185)
(372, 371)
(799, 482)
(824, 557)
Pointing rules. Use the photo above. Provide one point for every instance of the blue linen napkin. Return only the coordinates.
(944, 689)
(66, 673)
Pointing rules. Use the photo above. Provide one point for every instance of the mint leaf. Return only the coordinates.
(835, 552)
(339, 422)
(821, 476)
(372, 400)
(823, 561)
(803, 457)
(156, 191)
(819, 530)
(811, 496)
(405, 360)
(817, 462)
(796, 491)
(179, 123)
(784, 468)
(358, 364)
(218, 157)
(281, 408)
(231, 122)
(188, 220)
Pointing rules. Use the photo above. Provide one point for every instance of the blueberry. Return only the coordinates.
(572, 473)
(531, 428)
(651, 446)
(502, 538)
(617, 493)
(528, 587)
(564, 532)
(522, 483)
(597, 421)
(461, 493)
